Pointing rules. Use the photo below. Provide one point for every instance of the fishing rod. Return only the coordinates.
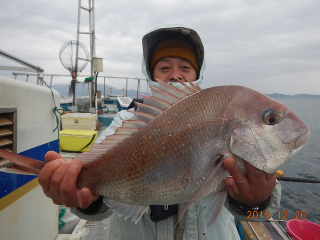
(280, 177)
(291, 179)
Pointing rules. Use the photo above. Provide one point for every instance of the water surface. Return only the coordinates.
(298, 197)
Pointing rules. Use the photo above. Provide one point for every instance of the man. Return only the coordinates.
(170, 54)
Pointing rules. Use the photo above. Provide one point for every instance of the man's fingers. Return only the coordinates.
(58, 177)
(237, 183)
(86, 197)
(51, 155)
(272, 177)
(231, 166)
(68, 188)
(253, 172)
(256, 175)
(232, 187)
(252, 189)
(47, 172)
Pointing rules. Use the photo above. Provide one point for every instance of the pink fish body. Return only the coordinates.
(170, 151)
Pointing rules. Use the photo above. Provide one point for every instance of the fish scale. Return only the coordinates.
(163, 152)
(170, 151)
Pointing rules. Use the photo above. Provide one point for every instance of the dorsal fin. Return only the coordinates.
(126, 131)
(194, 86)
(152, 101)
(163, 95)
(133, 124)
(172, 90)
(188, 90)
(154, 111)
(162, 98)
(141, 116)
(117, 137)
(104, 144)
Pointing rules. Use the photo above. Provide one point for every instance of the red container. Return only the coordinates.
(303, 230)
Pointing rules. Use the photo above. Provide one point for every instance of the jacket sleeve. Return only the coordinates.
(272, 207)
(98, 210)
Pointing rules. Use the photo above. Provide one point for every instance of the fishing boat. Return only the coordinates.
(35, 119)
(30, 125)
(27, 124)
(20, 126)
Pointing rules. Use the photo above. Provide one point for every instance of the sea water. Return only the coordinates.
(302, 199)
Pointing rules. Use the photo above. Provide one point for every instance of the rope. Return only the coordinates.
(61, 214)
(55, 109)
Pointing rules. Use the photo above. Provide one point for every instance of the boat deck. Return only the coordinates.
(88, 230)
(99, 230)
(268, 230)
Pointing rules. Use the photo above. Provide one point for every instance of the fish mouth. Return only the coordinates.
(301, 140)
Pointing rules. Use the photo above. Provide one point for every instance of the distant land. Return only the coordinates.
(82, 91)
(64, 89)
(299, 96)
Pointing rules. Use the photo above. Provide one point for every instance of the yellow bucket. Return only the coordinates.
(77, 140)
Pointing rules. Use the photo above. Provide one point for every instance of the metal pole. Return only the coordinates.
(27, 78)
(96, 102)
(51, 81)
(40, 78)
(127, 87)
(75, 90)
(93, 30)
(91, 55)
(138, 88)
(90, 30)
(78, 30)
(74, 78)
(20, 61)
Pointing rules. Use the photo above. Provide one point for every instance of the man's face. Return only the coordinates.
(170, 68)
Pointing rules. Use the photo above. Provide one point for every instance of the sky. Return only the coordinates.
(270, 46)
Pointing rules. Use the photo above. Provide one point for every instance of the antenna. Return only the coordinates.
(91, 11)
(74, 56)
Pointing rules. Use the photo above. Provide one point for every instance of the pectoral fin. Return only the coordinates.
(213, 205)
(209, 187)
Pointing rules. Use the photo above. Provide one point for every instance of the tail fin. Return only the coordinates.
(23, 165)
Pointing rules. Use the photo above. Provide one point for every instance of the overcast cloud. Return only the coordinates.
(270, 46)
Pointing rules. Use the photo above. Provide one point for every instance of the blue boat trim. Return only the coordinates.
(106, 121)
(10, 182)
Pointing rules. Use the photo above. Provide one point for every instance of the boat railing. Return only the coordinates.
(85, 76)
(35, 70)
(38, 71)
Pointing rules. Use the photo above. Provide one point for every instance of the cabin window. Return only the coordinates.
(8, 132)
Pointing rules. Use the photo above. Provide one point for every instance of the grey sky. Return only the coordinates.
(270, 46)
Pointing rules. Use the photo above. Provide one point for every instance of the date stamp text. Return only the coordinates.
(278, 215)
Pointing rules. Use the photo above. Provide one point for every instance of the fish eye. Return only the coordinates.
(271, 117)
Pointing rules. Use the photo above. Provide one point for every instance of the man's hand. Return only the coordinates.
(58, 180)
(252, 189)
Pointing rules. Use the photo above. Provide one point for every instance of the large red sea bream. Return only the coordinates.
(171, 150)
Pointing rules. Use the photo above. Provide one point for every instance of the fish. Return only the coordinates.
(171, 151)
